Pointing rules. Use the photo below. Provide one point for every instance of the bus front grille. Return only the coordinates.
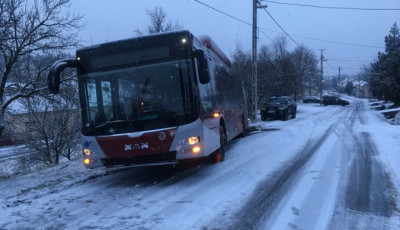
(140, 160)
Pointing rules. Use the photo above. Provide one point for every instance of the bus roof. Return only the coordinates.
(137, 38)
(204, 39)
(210, 44)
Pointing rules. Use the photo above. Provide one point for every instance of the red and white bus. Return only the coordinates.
(156, 99)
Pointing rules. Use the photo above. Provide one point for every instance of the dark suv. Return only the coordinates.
(279, 107)
(333, 100)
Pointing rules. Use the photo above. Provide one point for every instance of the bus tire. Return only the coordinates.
(219, 155)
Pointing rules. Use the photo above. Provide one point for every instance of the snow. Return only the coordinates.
(309, 191)
(205, 196)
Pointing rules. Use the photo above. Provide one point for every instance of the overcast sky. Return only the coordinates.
(351, 38)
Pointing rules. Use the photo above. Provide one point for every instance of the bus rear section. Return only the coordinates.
(152, 100)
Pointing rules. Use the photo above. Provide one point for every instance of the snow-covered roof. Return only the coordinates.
(19, 106)
(360, 83)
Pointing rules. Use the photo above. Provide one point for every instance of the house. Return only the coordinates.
(361, 88)
(19, 120)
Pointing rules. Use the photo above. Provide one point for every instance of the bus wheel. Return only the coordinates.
(219, 155)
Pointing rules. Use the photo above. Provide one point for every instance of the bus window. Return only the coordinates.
(91, 100)
(128, 100)
(107, 101)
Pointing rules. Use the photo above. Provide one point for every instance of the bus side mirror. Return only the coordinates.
(54, 76)
(204, 75)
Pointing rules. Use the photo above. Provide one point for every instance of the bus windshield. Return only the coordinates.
(138, 98)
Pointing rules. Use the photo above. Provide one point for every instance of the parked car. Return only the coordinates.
(279, 107)
(333, 100)
(311, 99)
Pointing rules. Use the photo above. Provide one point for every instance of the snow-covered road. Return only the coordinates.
(331, 167)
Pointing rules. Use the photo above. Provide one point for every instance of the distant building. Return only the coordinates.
(361, 88)
(18, 120)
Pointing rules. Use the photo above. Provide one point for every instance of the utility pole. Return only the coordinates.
(340, 84)
(254, 60)
(322, 71)
(254, 63)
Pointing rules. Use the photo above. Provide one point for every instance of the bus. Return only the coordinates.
(156, 99)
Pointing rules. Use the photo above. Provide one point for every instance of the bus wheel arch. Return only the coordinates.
(219, 155)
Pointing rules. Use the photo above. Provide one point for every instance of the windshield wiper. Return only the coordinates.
(143, 91)
(110, 123)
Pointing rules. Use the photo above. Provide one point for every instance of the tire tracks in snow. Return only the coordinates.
(367, 185)
(369, 198)
(271, 191)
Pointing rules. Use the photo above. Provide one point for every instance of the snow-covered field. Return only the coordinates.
(284, 175)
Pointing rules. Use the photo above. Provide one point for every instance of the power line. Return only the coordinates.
(341, 43)
(336, 7)
(327, 41)
(281, 27)
(330, 66)
(237, 19)
(261, 29)
(348, 60)
(352, 58)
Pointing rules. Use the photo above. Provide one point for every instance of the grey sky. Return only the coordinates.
(350, 38)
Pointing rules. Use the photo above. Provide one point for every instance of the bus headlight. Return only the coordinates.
(189, 145)
(193, 140)
(87, 152)
(196, 149)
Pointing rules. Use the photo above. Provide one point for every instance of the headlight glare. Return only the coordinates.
(87, 152)
(193, 140)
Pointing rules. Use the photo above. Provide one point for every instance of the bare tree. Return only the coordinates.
(28, 28)
(159, 22)
(305, 63)
(284, 66)
(51, 127)
(268, 77)
(279, 70)
(241, 70)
